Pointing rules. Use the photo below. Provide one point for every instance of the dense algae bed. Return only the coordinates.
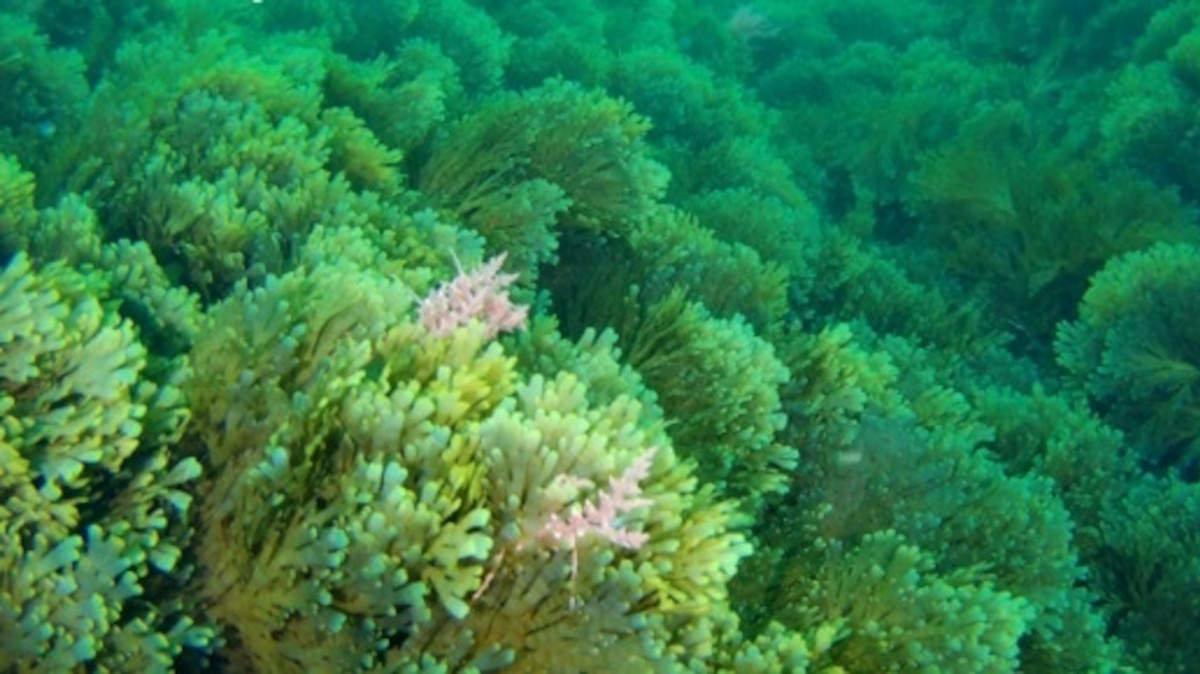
(846, 336)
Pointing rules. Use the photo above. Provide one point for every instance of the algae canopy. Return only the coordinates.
(582, 336)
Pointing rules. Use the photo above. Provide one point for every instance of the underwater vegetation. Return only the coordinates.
(433, 336)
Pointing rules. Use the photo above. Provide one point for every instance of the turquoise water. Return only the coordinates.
(562, 336)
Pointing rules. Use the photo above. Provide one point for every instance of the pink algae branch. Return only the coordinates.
(480, 294)
(602, 516)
